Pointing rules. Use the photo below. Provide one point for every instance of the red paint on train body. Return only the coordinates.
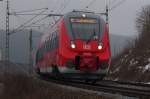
(77, 44)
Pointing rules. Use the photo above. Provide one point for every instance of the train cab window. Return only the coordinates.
(84, 28)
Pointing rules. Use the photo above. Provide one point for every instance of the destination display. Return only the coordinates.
(81, 20)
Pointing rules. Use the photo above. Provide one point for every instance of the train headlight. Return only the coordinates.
(100, 46)
(83, 15)
(73, 46)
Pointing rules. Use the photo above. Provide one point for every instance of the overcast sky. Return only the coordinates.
(121, 19)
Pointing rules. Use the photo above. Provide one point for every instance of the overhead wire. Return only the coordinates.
(54, 6)
(60, 9)
(54, 10)
(39, 20)
(33, 23)
(23, 26)
(90, 3)
(65, 5)
(116, 5)
(59, 6)
(27, 22)
(18, 17)
(31, 10)
(112, 2)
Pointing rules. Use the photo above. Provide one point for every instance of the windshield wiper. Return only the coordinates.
(91, 37)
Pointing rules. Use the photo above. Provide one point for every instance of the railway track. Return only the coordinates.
(131, 89)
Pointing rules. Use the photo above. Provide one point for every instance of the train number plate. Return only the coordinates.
(86, 46)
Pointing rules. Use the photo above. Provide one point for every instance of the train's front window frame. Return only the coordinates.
(84, 26)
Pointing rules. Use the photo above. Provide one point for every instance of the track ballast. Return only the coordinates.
(114, 87)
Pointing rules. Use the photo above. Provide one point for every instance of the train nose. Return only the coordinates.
(87, 62)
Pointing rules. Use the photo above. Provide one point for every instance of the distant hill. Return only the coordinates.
(19, 44)
(119, 42)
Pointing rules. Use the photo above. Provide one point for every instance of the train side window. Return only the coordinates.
(41, 55)
(48, 44)
(53, 41)
(37, 56)
(43, 51)
(44, 48)
(51, 44)
(56, 39)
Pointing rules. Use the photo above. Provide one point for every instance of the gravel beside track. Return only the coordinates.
(113, 87)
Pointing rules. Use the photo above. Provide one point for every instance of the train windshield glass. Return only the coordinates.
(85, 29)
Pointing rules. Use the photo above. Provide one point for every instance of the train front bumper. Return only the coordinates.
(81, 76)
(77, 74)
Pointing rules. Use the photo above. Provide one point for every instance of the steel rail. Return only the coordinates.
(142, 84)
(113, 87)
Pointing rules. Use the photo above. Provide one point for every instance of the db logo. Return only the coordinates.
(86, 46)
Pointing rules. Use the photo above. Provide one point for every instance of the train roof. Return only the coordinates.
(81, 14)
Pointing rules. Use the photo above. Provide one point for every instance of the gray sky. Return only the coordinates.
(122, 18)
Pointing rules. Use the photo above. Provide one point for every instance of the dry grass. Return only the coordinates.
(23, 87)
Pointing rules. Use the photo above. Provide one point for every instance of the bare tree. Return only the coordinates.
(143, 26)
(143, 22)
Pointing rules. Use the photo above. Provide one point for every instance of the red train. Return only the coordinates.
(77, 47)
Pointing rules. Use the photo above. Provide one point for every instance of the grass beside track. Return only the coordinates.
(24, 87)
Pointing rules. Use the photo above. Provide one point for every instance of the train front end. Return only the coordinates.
(84, 50)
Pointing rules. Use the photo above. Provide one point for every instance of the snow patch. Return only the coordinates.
(116, 79)
(136, 62)
(133, 62)
(122, 59)
(116, 70)
(148, 83)
(130, 51)
(147, 67)
(125, 56)
(139, 67)
(149, 60)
